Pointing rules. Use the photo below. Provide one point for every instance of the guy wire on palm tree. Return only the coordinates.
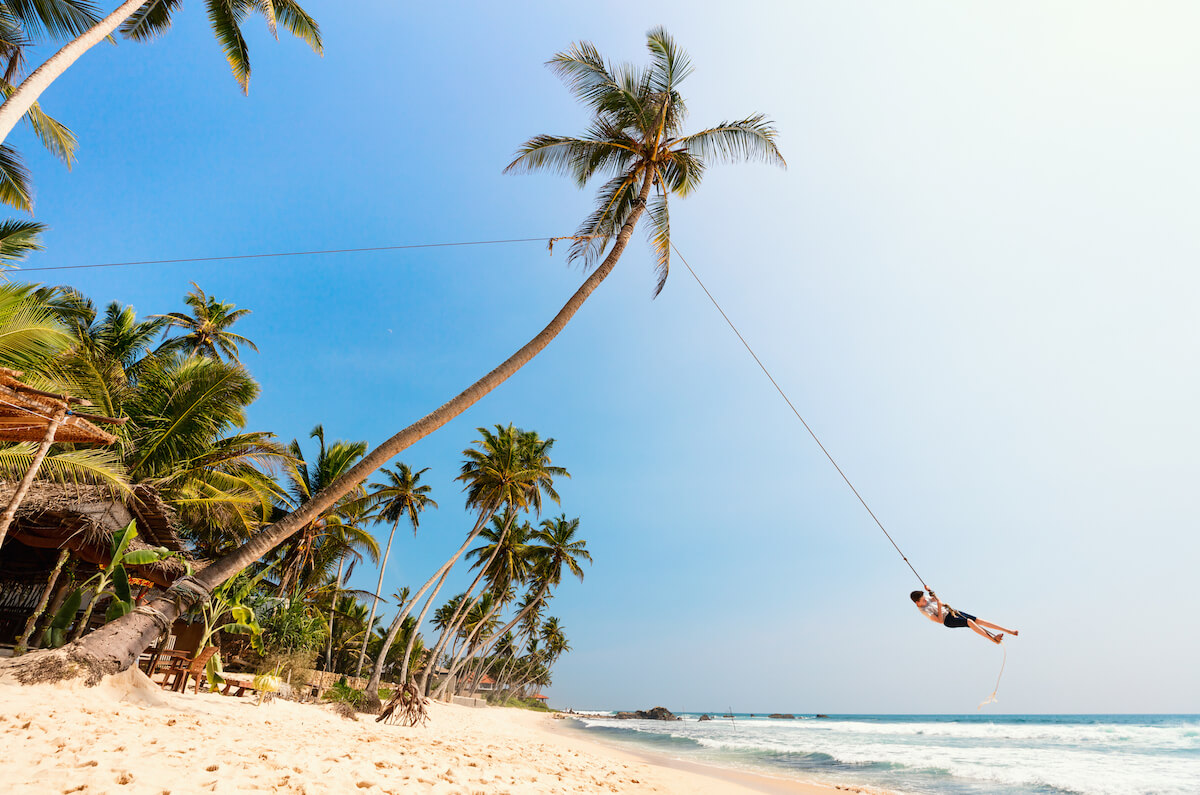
(636, 136)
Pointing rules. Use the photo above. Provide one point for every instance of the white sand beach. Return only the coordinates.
(129, 736)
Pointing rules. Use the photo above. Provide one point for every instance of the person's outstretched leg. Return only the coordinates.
(980, 630)
(996, 627)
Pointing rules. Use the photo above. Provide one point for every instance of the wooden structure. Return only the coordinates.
(81, 519)
(26, 413)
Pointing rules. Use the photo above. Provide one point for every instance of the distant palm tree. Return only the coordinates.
(555, 639)
(636, 134)
(557, 550)
(325, 541)
(206, 330)
(508, 467)
(504, 559)
(143, 20)
(401, 494)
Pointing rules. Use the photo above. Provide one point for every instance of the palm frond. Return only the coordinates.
(30, 336)
(659, 232)
(151, 20)
(579, 158)
(226, 17)
(614, 202)
(681, 172)
(557, 153)
(671, 65)
(749, 139)
(295, 20)
(582, 69)
(18, 239)
(633, 107)
(16, 189)
(95, 466)
(54, 135)
(61, 19)
(267, 9)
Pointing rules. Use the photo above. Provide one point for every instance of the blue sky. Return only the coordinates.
(976, 280)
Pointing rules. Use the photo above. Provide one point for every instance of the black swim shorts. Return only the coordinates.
(957, 619)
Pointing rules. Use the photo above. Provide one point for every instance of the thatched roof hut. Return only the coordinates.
(84, 518)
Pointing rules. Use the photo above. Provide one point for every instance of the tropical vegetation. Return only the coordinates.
(182, 391)
(245, 501)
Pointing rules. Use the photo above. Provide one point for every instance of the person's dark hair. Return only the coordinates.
(915, 595)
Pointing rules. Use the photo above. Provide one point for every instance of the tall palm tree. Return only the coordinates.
(629, 104)
(143, 20)
(206, 330)
(401, 494)
(344, 538)
(326, 540)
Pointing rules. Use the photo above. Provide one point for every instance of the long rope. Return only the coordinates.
(521, 240)
(787, 400)
(293, 254)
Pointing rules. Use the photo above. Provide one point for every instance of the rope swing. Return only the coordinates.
(782, 394)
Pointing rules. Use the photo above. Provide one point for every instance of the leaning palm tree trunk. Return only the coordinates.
(26, 94)
(491, 640)
(116, 646)
(10, 512)
(362, 653)
(372, 703)
(460, 613)
(469, 644)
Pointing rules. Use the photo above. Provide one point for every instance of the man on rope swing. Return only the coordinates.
(947, 616)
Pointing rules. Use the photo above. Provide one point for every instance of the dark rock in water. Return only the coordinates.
(819, 715)
(726, 715)
(658, 713)
(787, 716)
(705, 717)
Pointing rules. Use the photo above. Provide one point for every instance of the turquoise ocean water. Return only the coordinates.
(959, 754)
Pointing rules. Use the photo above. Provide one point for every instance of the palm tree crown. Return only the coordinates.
(206, 330)
(401, 494)
(636, 135)
(560, 549)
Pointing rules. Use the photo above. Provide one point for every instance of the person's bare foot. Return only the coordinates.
(997, 638)
(1015, 633)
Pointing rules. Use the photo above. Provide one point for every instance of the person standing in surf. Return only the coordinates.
(947, 616)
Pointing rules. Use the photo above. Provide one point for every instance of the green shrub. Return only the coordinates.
(344, 693)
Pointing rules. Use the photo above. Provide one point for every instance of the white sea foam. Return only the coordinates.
(938, 755)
